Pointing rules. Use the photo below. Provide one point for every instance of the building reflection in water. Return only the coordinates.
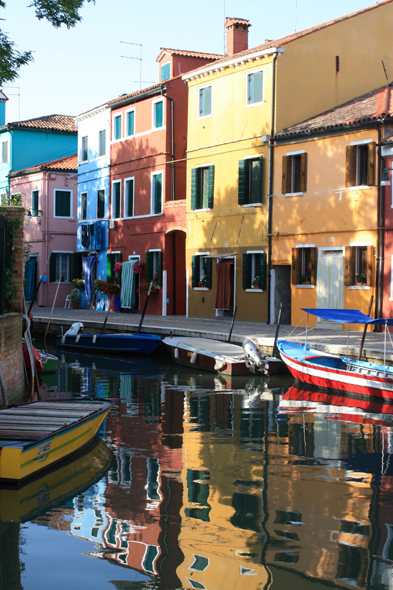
(225, 484)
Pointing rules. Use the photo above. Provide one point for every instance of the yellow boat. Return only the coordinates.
(37, 435)
(19, 503)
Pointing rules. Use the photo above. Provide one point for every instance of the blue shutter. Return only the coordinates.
(194, 273)
(52, 268)
(193, 189)
(208, 270)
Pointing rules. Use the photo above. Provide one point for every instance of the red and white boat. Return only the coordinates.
(338, 372)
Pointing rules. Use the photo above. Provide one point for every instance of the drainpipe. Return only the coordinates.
(270, 188)
(380, 234)
(172, 140)
(46, 234)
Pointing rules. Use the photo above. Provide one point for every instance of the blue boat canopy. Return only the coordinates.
(348, 316)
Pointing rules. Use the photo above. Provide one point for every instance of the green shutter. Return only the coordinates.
(208, 270)
(75, 266)
(159, 268)
(211, 186)
(110, 263)
(193, 189)
(158, 193)
(52, 268)
(262, 271)
(241, 182)
(131, 116)
(158, 114)
(246, 271)
(149, 267)
(256, 171)
(194, 273)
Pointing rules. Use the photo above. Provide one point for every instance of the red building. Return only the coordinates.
(148, 185)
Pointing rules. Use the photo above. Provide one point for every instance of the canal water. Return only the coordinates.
(203, 481)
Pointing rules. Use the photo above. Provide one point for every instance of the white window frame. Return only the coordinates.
(6, 161)
(67, 253)
(253, 272)
(126, 196)
(211, 101)
(201, 257)
(359, 143)
(303, 247)
(81, 208)
(153, 114)
(127, 112)
(63, 190)
(100, 189)
(114, 117)
(155, 271)
(259, 102)
(291, 154)
(167, 63)
(35, 190)
(152, 194)
(203, 166)
(112, 200)
(99, 143)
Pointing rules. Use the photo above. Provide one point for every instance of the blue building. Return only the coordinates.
(24, 144)
(93, 191)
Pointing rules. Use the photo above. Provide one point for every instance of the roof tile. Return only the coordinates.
(66, 164)
(48, 122)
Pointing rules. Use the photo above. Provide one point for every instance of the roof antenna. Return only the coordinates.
(138, 58)
(224, 29)
(295, 14)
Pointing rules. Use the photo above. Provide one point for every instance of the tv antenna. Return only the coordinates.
(17, 93)
(138, 58)
(295, 15)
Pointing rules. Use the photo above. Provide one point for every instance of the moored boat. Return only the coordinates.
(110, 343)
(37, 435)
(339, 372)
(222, 357)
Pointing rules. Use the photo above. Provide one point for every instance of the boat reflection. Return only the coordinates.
(56, 485)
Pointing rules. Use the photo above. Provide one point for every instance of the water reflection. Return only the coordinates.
(229, 483)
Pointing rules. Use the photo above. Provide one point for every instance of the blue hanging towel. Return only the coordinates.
(88, 262)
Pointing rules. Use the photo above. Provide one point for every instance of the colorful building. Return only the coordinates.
(148, 186)
(25, 144)
(49, 192)
(327, 247)
(235, 106)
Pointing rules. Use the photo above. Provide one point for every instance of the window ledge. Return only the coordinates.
(293, 194)
(361, 288)
(250, 205)
(305, 286)
(390, 298)
(361, 187)
(201, 289)
(200, 210)
(254, 290)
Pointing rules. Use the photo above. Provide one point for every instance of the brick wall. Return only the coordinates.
(18, 267)
(11, 357)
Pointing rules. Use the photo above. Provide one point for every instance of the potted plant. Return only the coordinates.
(305, 279)
(79, 284)
(75, 298)
(361, 278)
(255, 282)
(202, 281)
(137, 268)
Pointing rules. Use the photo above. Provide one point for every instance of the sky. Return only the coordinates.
(75, 70)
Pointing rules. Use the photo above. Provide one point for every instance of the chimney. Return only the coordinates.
(237, 35)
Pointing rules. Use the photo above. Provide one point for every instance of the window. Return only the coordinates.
(360, 164)
(34, 203)
(158, 109)
(4, 152)
(116, 196)
(153, 271)
(202, 187)
(102, 143)
(83, 206)
(294, 173)
(101, 203)
(205, 101)
(200, 563)
(201, 268)
(156, 193)
(129, 197)
(85, 149)
(359, 265)
(63, 203)
(254, 270)
(254, 88)
(304, 265)
(117, 127)
(65, 265)
(250, 181)
(130, 123)
(165, 71)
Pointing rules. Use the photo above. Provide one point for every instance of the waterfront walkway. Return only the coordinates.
(335, 341)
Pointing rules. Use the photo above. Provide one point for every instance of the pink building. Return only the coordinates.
(49, 192)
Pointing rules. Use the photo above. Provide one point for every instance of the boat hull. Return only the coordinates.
(367, 380)
(21, 458)
(111, 343)
(199, 353)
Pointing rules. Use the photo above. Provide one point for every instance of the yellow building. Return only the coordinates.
(327, 228)
(235, 106)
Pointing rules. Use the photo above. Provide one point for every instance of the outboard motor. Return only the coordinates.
(254, 358)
